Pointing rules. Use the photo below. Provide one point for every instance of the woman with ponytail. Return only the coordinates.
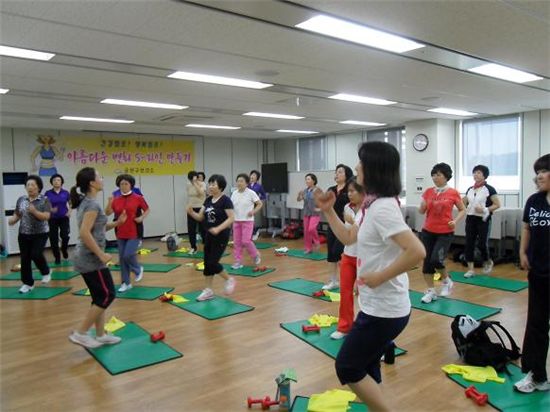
(90, 258)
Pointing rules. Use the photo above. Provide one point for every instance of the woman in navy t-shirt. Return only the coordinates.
(217, 214)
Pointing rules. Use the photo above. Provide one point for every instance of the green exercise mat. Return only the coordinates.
(40, 293)
(134, 351)
(111, 250)
(56, 275)
(509, 285)
(247, 271)
(216, 308)
(452, 307)
(301, 402)
(198, 255)
(62, 264)
(311, 256)
(264, 245)
(504, 397)
(301, 287)
(321, 340)
(137, 292)
(152, 267)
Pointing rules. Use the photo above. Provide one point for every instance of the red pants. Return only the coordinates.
(348, 274)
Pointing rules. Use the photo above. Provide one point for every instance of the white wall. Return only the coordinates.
(166, 194)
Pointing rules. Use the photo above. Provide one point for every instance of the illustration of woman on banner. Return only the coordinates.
(48, 154)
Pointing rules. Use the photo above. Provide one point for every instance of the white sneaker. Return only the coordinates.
(336, 335)
(108, 339)
(469, 274)
(139, 276)
(283, 249)
(528, 385)
(124, 287)
(429, 296)
(488, 267)
(257, 259)
(446, 288)
(192, 252)
(236, 266)
(47, 278)
(333, 284)
(206, 294)
(84, 339)
(25, 288)
(229, 286)
(256, 236)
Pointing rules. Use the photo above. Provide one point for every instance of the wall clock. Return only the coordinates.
(420, 142)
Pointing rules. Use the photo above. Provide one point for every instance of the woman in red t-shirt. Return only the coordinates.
(127, 234)
(438, 230)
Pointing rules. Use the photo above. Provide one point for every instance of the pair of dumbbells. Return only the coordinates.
(265, 402)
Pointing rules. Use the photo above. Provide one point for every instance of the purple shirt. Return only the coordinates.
(60, 201)
(258, 188)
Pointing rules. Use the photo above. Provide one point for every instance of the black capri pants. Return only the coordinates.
(335, 248)
(101, 286)
(477, 229)
(214, 246)
(437, 247)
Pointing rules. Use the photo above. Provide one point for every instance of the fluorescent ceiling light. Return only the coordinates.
(505, 73)
(296, 131)
(455, 112)
(356, 33)
(226, 81)
(360, 123)
(211, 126)
(144, 104)
(25, 53)
(4, 91)
(361, 99)
(273, 115)
(95, 119)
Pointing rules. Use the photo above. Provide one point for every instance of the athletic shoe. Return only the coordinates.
(85, 340)
(256, 236)
(257, 259)
(206, 294)
(446, 288)
(429, 296)
(488, 267)
(25, 288)
(337, 335)
(229, 286)
(139, 276)
(333, 284)
(192, 252)
(124, 287)
(528, 385)
(108, 339)
(469, 274)
(65, 254)
(236, 266)
(283, 249)
(47, 278)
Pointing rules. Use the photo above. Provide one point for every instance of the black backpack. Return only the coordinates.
(478, 349)
(172, 242)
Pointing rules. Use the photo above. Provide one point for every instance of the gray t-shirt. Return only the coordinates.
(85, 260)
(309, 203)
(29, 224)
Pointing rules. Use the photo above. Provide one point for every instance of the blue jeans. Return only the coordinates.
(127, 254)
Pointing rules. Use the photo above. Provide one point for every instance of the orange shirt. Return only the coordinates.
(439, 209)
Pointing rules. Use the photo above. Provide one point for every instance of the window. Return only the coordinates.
(312, 153)
(495, 143)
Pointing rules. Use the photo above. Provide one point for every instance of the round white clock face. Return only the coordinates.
(420, 142)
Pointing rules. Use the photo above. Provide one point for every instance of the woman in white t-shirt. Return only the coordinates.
(246, 204)
(386, 249)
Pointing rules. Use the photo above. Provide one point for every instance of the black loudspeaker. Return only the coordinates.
(275, 177)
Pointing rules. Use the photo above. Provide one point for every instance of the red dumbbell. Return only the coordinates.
(318, 294)
(310, 328)
(165, 298)
(480, 398)
(155, 337)
(251, 401)
(259, 269)
(268, 403)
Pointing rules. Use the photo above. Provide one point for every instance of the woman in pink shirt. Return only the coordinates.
(438, 231)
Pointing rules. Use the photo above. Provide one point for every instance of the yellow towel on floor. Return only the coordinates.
(323, 321)
(179, 299)
(335, 400)
(87, 293)
(183, 250)
(144, 251)
(479, 374)
(114, 324)
(200, 266)
(333, 296)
